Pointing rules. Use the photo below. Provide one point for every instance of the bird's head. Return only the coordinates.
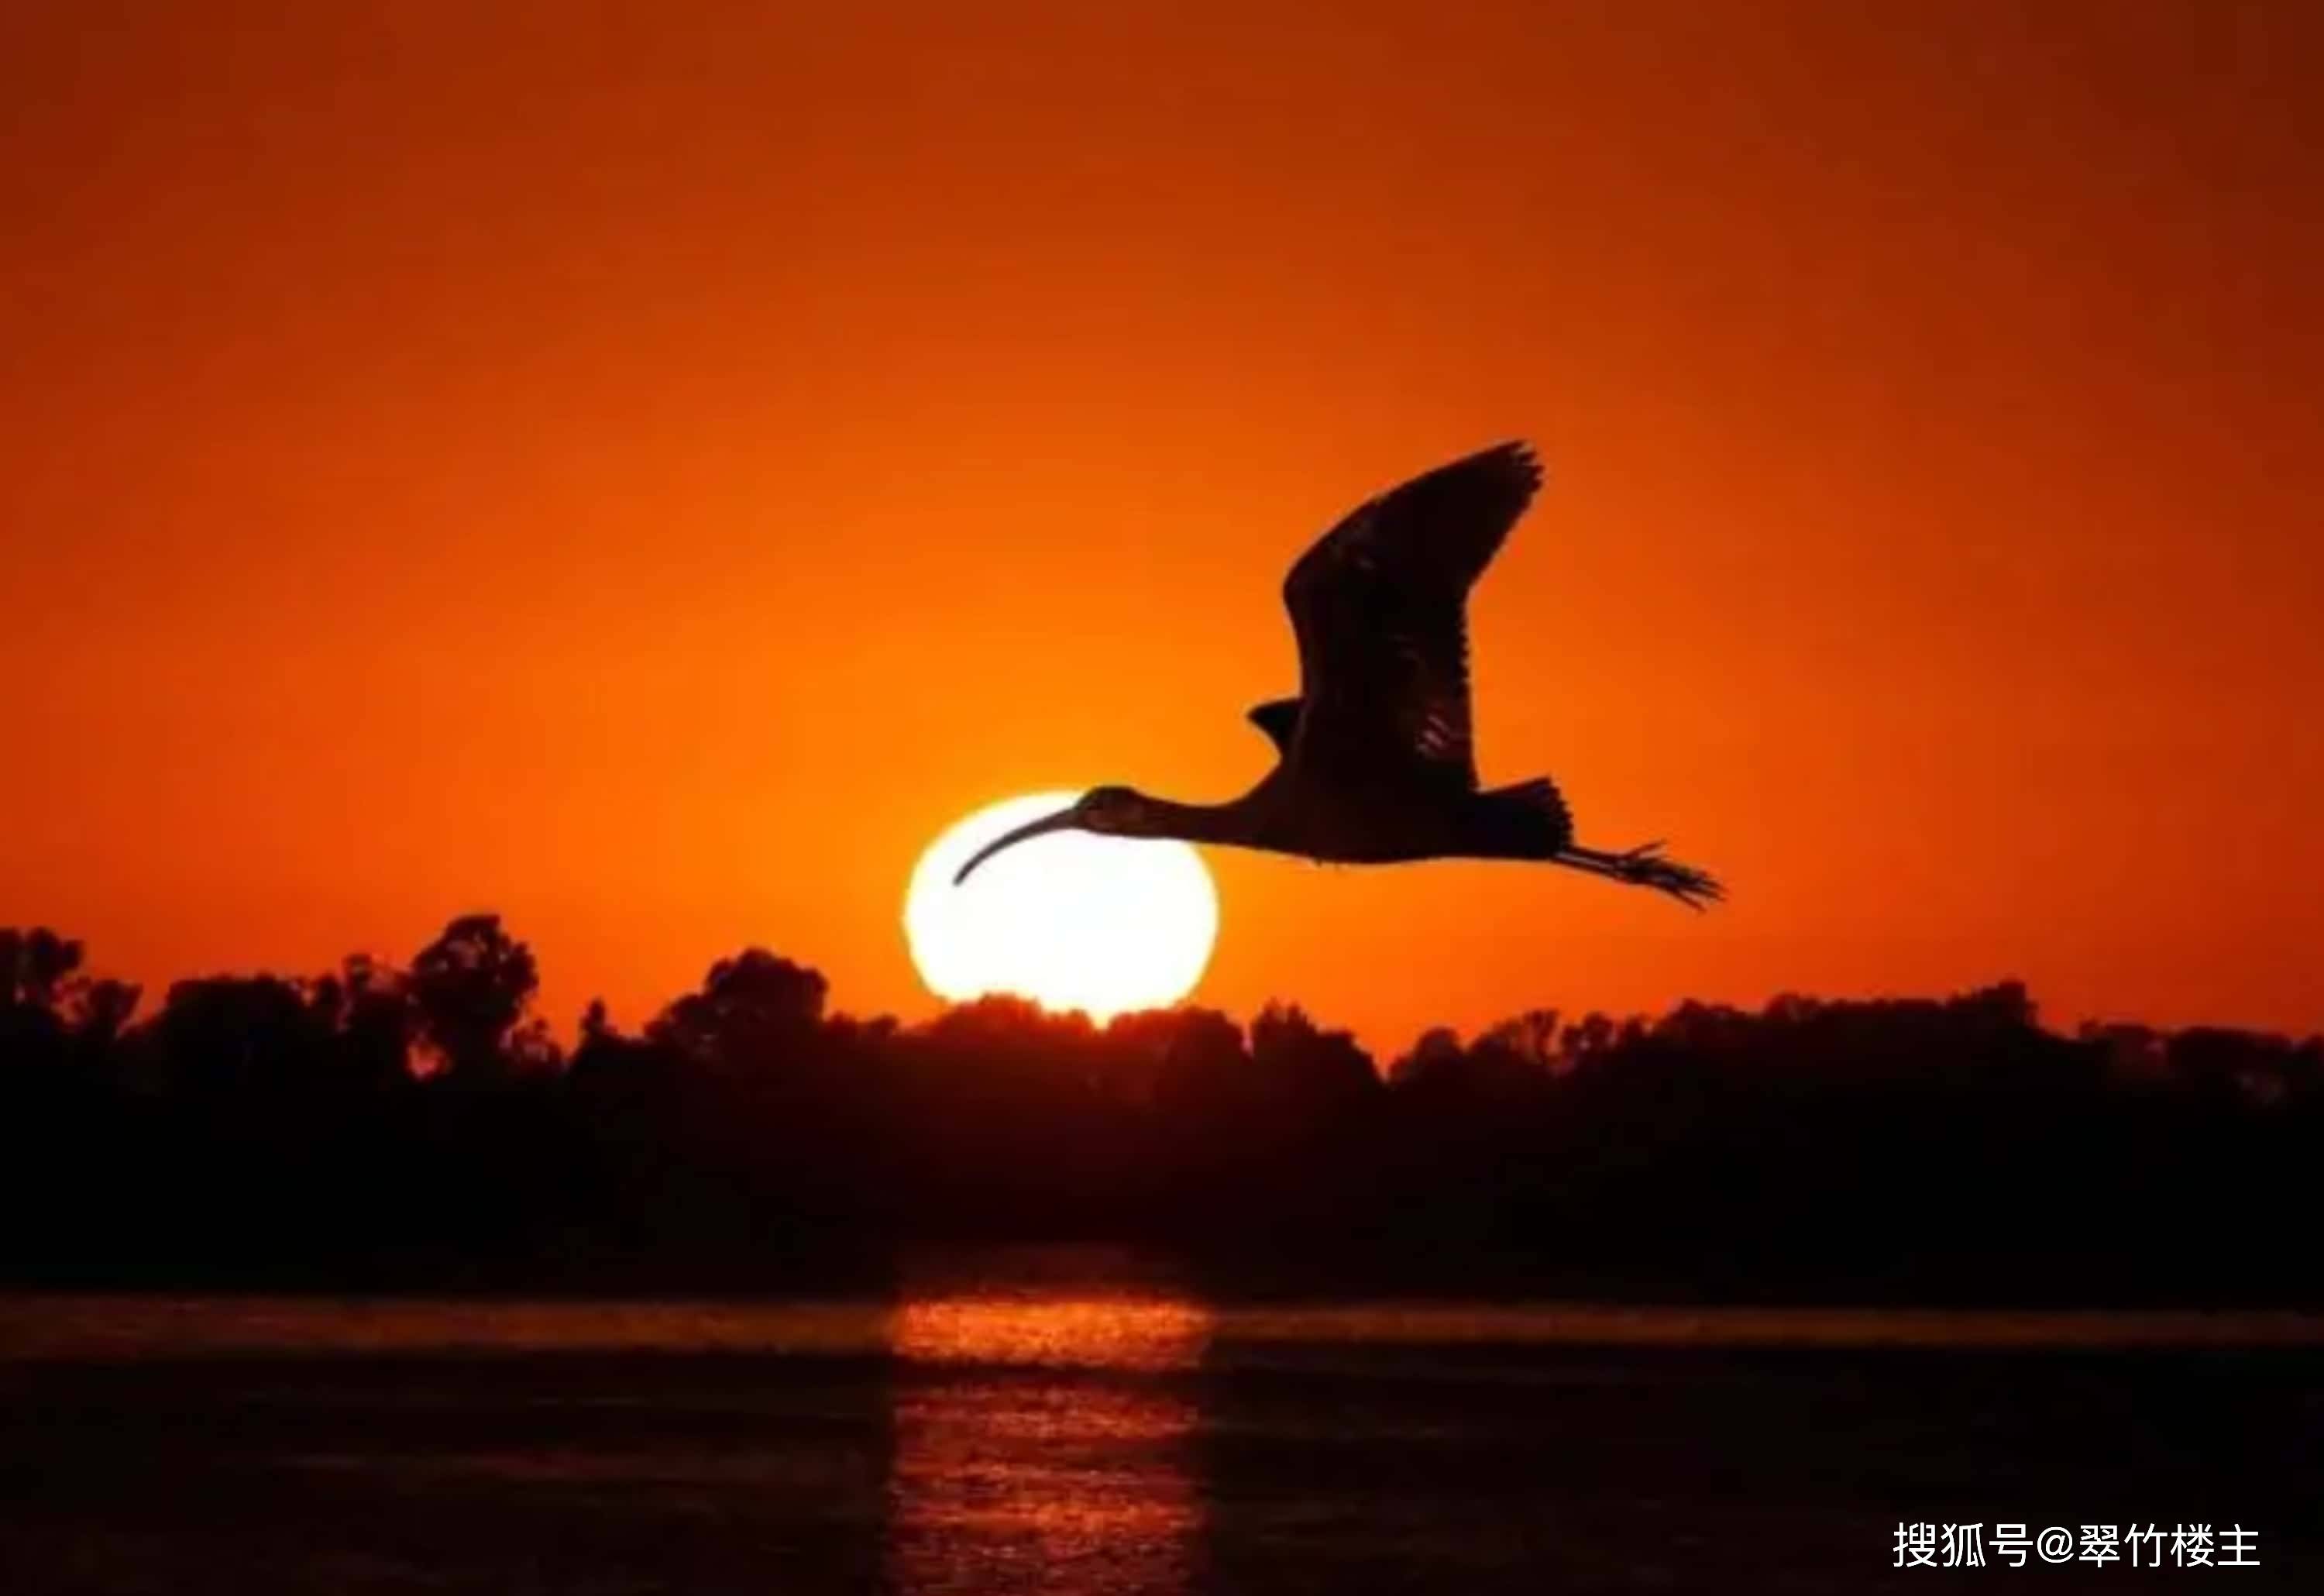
(1109, 811)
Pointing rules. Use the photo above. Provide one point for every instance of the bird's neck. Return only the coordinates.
(1193, 823)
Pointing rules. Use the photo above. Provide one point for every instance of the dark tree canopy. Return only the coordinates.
(754, 1007)
(470, 987)
(378, 1125)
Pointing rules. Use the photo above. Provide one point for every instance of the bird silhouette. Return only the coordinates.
(1376, 763)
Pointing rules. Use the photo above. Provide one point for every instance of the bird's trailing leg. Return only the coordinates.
(1645, 867)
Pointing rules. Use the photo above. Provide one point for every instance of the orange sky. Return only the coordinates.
(648, 476)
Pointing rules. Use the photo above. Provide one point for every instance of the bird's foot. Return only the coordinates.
(1645, 866)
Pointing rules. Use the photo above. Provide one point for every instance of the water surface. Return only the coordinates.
(1101, 1439)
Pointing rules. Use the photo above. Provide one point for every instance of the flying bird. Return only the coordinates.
(1376, 764)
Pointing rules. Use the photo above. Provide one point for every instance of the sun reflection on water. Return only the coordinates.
(1044, 1444)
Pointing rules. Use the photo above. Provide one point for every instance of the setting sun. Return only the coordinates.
(1071, 920)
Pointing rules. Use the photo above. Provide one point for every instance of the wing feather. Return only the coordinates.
(1379, 605)
(1279, 719)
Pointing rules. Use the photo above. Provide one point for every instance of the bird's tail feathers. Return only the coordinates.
(1540, 793)
(1529, 820)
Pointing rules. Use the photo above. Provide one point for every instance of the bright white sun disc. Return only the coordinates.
(1070, 920)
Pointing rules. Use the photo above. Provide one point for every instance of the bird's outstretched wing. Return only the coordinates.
(1377, 605)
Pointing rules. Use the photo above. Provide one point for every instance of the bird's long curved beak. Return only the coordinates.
(1062, 820)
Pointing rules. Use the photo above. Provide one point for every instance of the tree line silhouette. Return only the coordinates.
(386, 1127)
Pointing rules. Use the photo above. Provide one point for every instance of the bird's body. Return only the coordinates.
(1388, 824)
(1376, 764)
